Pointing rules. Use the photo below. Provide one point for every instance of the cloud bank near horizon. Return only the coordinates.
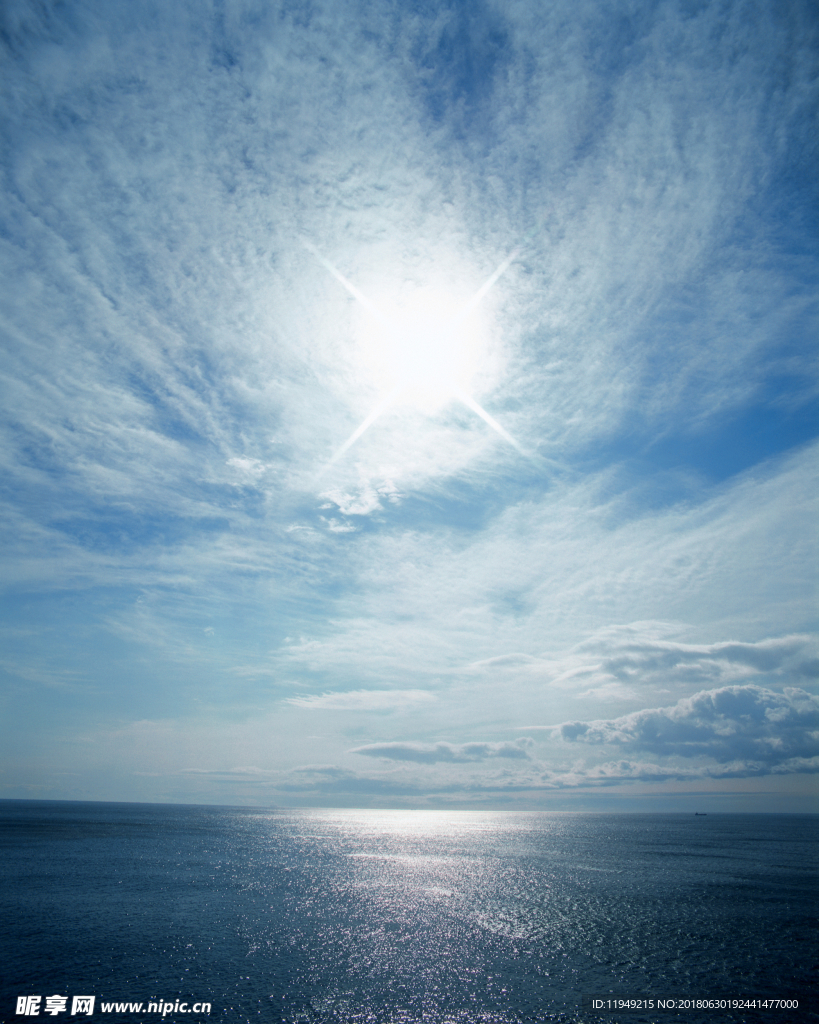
(432, 753)
(734, 722)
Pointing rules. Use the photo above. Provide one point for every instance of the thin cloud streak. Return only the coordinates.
(432, 753)
(362, 700)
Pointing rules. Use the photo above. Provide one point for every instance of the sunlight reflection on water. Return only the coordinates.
(331, 916)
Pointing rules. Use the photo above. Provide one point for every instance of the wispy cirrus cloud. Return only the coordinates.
(178, 370)
(362, 700)
(363, 500)
(621, 662)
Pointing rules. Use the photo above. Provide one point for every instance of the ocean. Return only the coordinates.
(371, 916)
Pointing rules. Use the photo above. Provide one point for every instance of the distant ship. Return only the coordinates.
(700, 814)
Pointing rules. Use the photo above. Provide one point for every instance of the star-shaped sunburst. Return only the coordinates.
(422, 345)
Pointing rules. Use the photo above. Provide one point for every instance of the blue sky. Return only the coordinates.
(570, 563)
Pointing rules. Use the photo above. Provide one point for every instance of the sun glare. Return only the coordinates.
(421, 347)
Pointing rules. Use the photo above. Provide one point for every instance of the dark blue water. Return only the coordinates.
(404, 916)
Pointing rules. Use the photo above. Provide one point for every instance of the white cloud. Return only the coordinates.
(337, 526)
(613, 662)
(529, 599)
(610, 691)
(617, 773)
(178, 369)
(363, 500)
(249, 468)
(431, 753)
(362, 700)
(747, 723)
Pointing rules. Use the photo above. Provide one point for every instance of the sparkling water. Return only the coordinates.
(404, 916)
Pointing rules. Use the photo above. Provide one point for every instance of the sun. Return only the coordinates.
(421, 344)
